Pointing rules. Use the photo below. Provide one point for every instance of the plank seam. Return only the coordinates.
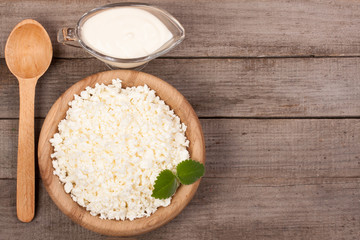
(222, 177)
(226, 57)
(275, 117)
(249, 118)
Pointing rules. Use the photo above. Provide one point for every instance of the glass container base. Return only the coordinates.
(138, 68)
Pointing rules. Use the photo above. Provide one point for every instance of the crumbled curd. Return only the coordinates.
(112, 145)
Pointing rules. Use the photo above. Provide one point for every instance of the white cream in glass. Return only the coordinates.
(125, 35)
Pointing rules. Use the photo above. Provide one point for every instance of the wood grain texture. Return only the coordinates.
(276, 149)
(25, 190)
(28, 54)
(223, 208)
(245, 28)
(265, 178)
(269, 179)
(289, 87)
(183, 194)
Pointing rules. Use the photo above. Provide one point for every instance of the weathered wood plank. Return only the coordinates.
(255, 149)
(282, 148)
(221, 28)
(223, 208)
(290, 87)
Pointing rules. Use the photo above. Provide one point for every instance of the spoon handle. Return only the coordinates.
(25, 188)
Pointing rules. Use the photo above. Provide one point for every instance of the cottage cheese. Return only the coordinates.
(112, 145)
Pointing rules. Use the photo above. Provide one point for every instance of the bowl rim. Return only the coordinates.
(77, 213)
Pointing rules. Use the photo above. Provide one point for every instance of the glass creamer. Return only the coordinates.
(125, 35)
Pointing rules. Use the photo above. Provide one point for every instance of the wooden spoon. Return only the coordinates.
(28, 53)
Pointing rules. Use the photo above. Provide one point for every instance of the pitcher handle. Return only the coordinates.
(68, 36)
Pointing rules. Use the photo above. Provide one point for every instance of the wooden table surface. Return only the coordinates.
(276, 85)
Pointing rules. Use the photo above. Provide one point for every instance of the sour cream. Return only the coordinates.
(125, 32)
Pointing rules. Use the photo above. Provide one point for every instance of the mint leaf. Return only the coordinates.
(189, 171)
(165, 185)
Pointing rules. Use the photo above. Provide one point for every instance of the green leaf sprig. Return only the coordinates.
(187, 172)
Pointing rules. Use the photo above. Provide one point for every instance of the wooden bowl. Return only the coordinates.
(77, 213)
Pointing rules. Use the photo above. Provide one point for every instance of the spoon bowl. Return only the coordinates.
(28, 50)
(28, 54)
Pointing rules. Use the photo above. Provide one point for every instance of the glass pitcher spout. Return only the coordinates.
(68, 36)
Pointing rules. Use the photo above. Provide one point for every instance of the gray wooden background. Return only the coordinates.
(276, 85)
